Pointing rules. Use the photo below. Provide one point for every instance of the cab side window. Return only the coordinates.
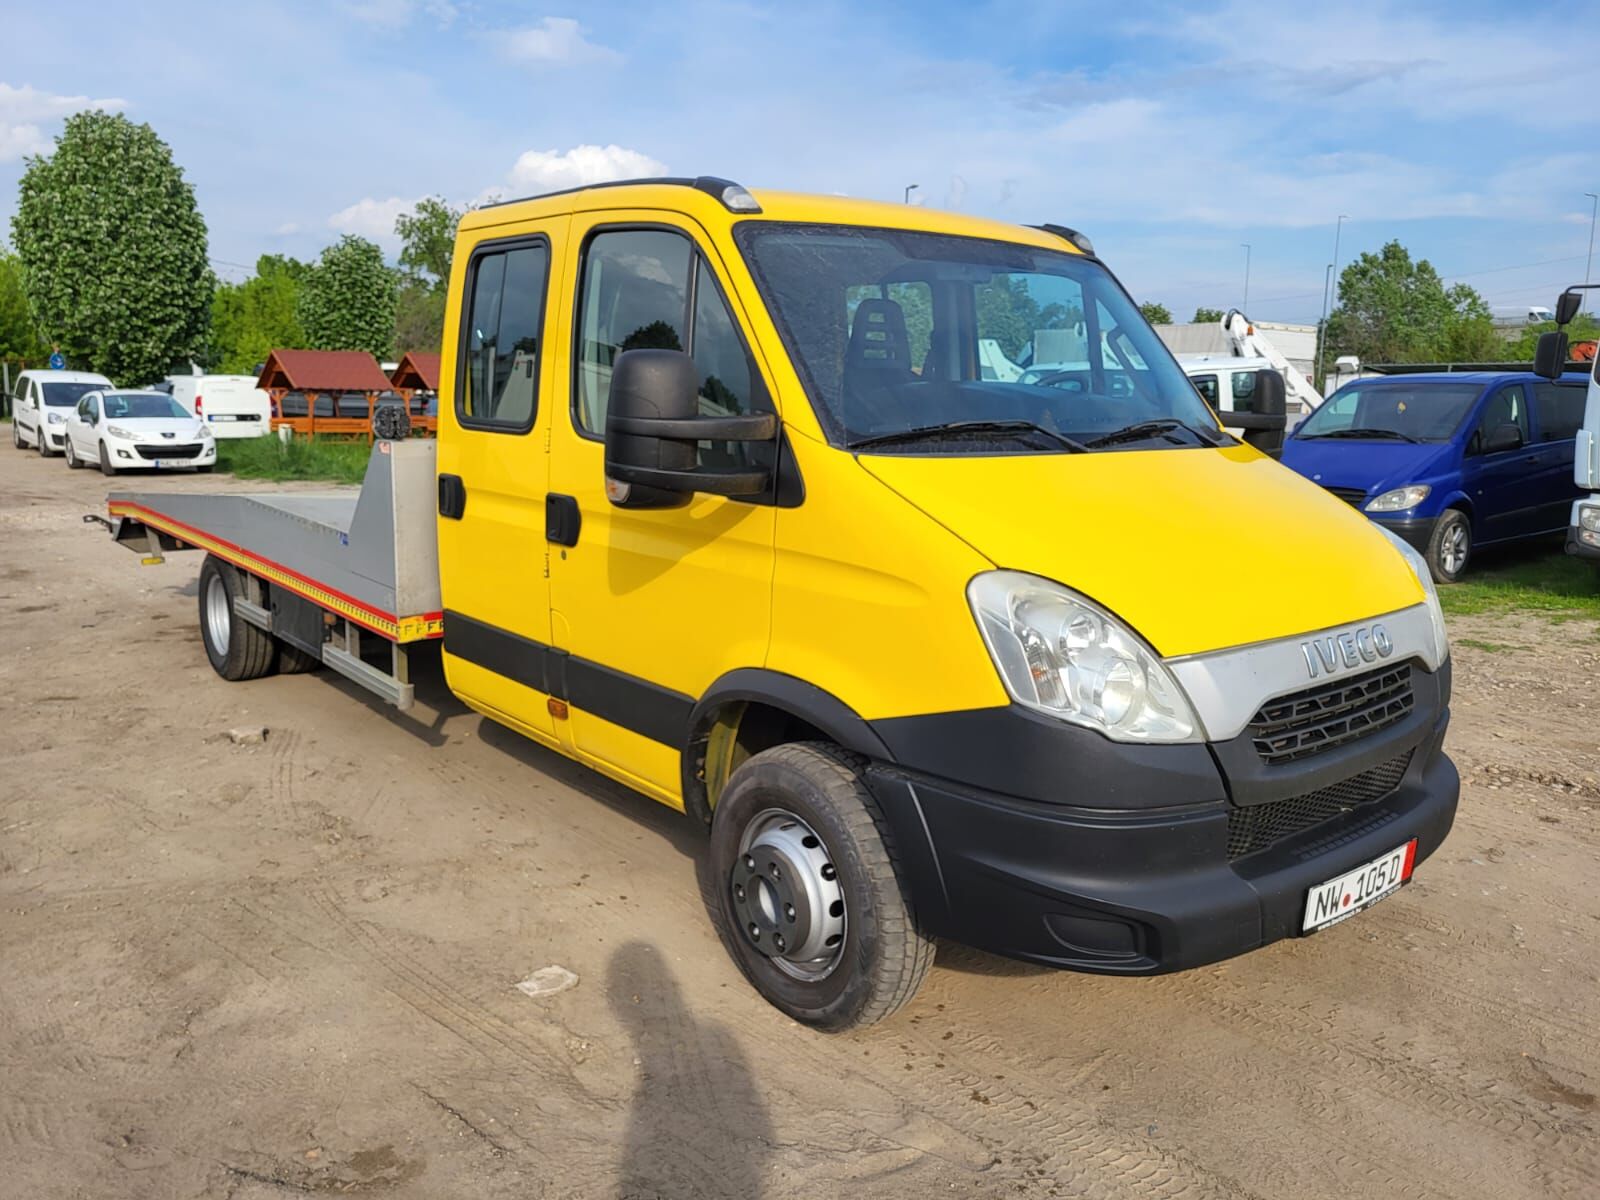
(1508, 406)
(1206, 385)
(1244, 391)
(499, 384)
(652, 289)
(1560, 410)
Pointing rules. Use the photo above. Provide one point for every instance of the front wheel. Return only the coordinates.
(44, 442)
(809, 895)
(237, 649)
(1450, 546)
(73, 461)
(106, 468)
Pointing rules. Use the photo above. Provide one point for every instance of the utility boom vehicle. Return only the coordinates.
(729, 503)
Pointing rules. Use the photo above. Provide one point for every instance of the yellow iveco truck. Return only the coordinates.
(893, 546)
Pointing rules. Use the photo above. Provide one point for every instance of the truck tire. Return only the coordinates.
(237, 649)
(809, 897)
(1450, 546)
(294, 661)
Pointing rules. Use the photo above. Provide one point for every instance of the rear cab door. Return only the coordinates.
(499, 389)
(1557, 417)
(651, 605)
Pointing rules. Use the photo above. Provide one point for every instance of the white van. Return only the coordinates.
(41, 402)
(232, 406)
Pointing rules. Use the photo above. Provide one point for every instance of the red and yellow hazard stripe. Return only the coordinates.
(394, 627)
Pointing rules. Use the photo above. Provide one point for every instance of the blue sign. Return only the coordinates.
(57, 363)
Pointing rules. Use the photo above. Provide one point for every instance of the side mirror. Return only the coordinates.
(1506, 436)
(653, 431)
(1550, 355)
(1567, 306)
(1263, 428)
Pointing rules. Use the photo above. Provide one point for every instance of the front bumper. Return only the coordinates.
(1581, 549)
(1415, 531)
(1146, 885)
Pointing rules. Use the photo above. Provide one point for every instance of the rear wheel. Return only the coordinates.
(1450, 547)
(73, 460)
(810, 900)
(237, 649)
(105, 461)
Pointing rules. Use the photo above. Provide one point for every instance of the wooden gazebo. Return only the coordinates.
(416, 379)
(335, 380)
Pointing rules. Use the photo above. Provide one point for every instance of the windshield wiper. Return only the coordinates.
(1361, 433)
(1140, 430)
(924, 432)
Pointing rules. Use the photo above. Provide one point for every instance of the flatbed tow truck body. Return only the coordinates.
(366, 564)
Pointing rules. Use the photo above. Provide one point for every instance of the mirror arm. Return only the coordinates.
(760, 427)
(718, 483)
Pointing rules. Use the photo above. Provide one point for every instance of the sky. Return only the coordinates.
(1173, 134)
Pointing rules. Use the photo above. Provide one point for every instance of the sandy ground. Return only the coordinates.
(255, 971)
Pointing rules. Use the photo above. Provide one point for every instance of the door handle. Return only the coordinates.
(562, 519)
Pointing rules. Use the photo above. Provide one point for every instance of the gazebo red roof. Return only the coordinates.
(323, 371)
(416, 370)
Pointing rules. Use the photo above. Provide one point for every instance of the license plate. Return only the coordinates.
(1331, 902)
(222, 417)
(173, 462)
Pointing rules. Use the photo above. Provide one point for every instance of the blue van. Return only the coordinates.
(1451, 461)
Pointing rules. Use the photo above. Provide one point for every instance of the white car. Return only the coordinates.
(41, 403)
(232, 406)
(119, 430)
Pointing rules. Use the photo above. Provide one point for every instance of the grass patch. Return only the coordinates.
(1535, 578)
(298, 458)
(1486, 647)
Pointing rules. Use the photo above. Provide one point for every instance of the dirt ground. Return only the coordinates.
(256, 971)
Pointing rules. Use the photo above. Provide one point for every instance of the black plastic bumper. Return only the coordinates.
(1417, 531)
(1146, 886)
(1581, 549)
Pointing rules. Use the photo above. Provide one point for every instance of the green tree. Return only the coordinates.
(249, 320)
(418, 318)
(428, 234)
(1392, 309)
(19, 337)
(1584, 328)
(1208, 316)
(1156, 314)
(113, 250)
(347, 301)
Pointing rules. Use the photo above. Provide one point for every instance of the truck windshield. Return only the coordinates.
(65, 395)
(1410, 412)
(924, 343)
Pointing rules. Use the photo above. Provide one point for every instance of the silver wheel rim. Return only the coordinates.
(219, 615)
(786, 896)
(1453, 548)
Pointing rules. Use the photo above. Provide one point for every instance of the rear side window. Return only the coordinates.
(652, 289)
(1560, 410)
(498, 387)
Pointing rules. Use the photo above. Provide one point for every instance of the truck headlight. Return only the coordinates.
(1399, 499)
(1419, 567)
(1589, 518)
(118, 432)
(1066, 657)
(56, 419)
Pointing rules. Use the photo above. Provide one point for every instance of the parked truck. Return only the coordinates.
(1551, 358)
(1057, 668)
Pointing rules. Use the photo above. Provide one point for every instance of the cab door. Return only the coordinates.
(1557, 417)
(498, 391)
(650, 605)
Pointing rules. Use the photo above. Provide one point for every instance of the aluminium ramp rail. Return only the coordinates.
(370, 558)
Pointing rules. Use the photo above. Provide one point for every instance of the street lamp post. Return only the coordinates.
(910, 187)
(1594, 211)
(1327, 290)
(1245, 306)
(1322, 328)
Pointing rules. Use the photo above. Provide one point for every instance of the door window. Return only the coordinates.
(651, 289)
(1206, 385)
(1560, 410)
(1244, 391)
(499, 384)
(1508, 406)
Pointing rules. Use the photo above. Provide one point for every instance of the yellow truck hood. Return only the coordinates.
(1197, 549)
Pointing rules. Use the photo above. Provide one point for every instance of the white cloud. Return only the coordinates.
(551, 170)
(373, 219)
(557, 40)
(25, 110)
(287, 229)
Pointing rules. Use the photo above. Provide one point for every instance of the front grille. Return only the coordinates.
(1261, 825)
(1355, 496)
(190, 451)
(1332, 714)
